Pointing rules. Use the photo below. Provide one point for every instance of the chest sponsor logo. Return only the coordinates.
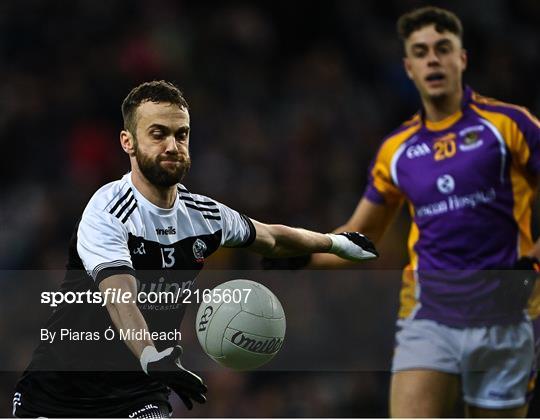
(446, 184)
(170, 230)
(163, 285)
(417, 150)
(456, 202)
(199, 248)
(163, 295)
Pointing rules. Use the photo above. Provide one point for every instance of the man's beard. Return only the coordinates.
(159, 175)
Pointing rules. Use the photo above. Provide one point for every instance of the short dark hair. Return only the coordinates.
(444, 20)
(154, 91)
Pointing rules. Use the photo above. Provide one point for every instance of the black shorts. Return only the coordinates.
(140, 410)
(82, 395)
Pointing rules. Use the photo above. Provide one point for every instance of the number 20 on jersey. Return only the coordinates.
(445, 147)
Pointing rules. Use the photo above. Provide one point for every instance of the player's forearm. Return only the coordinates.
(280, 241)
(370, 219)
(328, 261)
(128, 317)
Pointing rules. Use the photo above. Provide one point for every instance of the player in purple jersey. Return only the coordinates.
(467, 168)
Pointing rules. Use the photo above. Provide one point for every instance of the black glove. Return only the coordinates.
(291, 263)
(523, 279)
(165, 367)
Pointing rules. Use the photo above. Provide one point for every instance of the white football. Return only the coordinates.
(240, 324)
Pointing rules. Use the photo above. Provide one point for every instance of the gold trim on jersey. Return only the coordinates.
(523, 185)
(382, 181)
(381, 171)
(490, 101)
(407, 295)
(443, 124)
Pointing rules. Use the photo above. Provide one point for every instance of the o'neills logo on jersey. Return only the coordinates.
(199, 248)
(168, 231)
(268, 346)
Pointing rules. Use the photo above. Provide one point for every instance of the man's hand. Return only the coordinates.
(352, 246)
(165, 367)
(523, 278)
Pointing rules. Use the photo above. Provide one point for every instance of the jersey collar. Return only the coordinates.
(149, 205)
(450, 120)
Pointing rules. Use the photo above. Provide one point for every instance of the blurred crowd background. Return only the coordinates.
(289, 102)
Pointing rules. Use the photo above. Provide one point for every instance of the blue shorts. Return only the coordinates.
(494, 363)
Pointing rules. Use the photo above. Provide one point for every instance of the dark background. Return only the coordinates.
(289, 101)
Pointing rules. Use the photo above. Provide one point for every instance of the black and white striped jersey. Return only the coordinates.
(120, 231)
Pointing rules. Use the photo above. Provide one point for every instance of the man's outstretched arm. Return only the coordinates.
(369, 218)
(279, 241)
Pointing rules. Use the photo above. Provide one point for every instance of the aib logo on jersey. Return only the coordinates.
(199, 248)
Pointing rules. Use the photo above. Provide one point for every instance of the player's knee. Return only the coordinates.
(423, 394)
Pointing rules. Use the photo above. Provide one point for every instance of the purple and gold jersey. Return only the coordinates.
(469, 181)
